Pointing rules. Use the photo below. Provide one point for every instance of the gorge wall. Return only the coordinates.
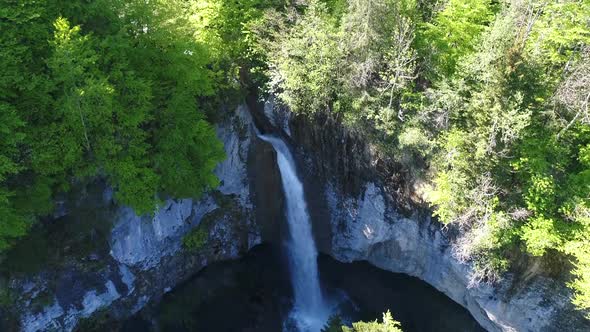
(142, 257)
(372, 215)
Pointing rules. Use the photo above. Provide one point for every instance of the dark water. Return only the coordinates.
(414, 303)
(254, 294)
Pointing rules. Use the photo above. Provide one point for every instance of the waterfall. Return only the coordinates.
(309, 312)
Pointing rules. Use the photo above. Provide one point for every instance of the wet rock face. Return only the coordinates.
(334, 151)
(371, 217)
(267, 197)
(278, 117)
(143, 256)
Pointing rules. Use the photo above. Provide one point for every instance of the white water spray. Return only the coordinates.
(310, 312)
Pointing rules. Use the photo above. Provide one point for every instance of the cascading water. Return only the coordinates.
(309, 312)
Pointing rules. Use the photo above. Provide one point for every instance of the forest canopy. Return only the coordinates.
(110, 89)
(122, 91)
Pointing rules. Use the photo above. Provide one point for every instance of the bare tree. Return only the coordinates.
(573, 95)
(400, 61)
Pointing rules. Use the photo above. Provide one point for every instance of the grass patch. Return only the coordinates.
(196, 239)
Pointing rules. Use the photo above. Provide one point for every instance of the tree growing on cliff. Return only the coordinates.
(388, 324)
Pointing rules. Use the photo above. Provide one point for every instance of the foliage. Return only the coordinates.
(7, 296)
(112, 89)
(196, 239)
(307, 62)
(69, 240)
(337, 59)
(452, 34)
(387, 325)
(225, 28)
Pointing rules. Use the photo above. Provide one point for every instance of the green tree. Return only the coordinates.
(387, 325)
(305, 66)
(120, 94)
(452, 34)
